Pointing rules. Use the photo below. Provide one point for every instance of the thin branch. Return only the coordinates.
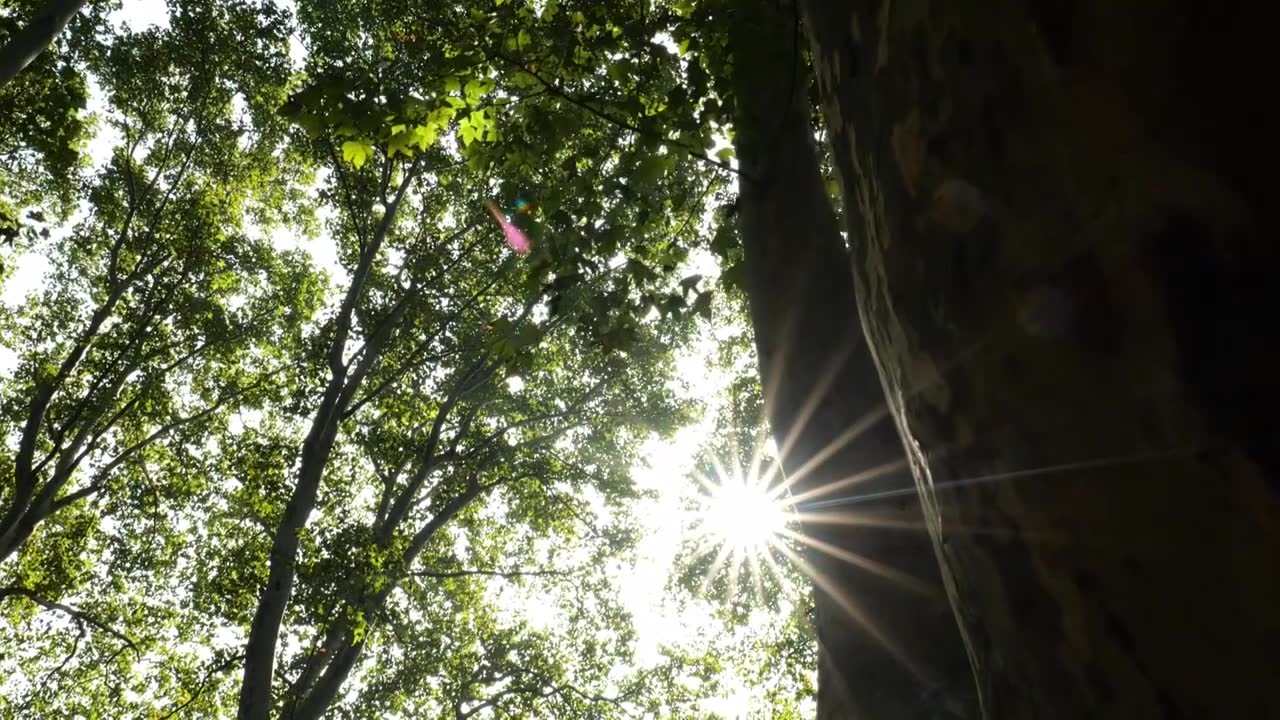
(490, 573)
(350, 199)
(114, 392)
(555, 90)
(132, 402)
(404, 502)
(204, 684)
(360, 277)
(101, 476)
(79, 615)
(412, 360)
(75, 649)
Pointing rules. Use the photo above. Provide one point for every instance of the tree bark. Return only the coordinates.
(32, 40)
(1062, 246)
(886, 650)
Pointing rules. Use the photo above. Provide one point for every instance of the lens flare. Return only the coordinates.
(515, 237)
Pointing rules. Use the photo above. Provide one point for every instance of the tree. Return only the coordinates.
(341, 499)
(421, 391)
(43, 125)
(1060, 275)
(420, 292)
(160, 258)
(885, 645)
(162, 318)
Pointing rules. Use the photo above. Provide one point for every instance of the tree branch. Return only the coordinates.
(404, 502)
(204, 684)
(555, 90)
(489, 573)
(26, 44)
(264, 631)
(79, 615)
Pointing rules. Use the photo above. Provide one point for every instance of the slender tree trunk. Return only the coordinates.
(317, 447)
(886, 649)
(32, 40)
(264, 632)
(1064, 231)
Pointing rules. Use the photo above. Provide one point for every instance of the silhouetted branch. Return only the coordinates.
(555, 90)
(490, 573)
(79, 616)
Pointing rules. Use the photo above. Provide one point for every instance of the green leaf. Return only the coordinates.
(474, 90)
(403, 142)
(356, 152)
(452, 85)
(724, 154)
(424, 136)
(311, 124)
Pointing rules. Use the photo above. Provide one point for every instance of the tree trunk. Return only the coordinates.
(1062, 247)
(32, 40)
(886, 650)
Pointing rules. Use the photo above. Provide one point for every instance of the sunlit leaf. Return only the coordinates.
(356, 152)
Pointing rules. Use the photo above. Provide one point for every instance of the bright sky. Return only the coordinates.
(666, 470)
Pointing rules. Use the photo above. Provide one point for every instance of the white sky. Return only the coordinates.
(667, 464)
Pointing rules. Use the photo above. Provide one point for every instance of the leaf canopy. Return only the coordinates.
(290, 432)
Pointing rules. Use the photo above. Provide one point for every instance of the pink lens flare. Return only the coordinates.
(516, 239)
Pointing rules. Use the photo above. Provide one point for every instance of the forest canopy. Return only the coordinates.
(290, 430)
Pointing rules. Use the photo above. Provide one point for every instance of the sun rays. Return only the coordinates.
(762, 528)
(738, 519)
(749, 520)
(742, 516)
(750, 527)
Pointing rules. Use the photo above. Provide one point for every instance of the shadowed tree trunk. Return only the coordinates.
(888, 645)
(32, 39)
(1063, 239)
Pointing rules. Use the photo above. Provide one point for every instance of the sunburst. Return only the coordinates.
(740, 517)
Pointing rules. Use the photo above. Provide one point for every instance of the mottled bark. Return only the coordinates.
(887, 649)
(1062, 245)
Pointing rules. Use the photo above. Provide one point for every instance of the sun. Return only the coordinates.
(742, 515)
(742, 522)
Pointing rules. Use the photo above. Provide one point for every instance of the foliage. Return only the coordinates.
(43, 124)
(243, 476)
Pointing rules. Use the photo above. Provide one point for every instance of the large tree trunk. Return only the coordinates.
(30, 41)
(1063, 237)
(886, 649)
